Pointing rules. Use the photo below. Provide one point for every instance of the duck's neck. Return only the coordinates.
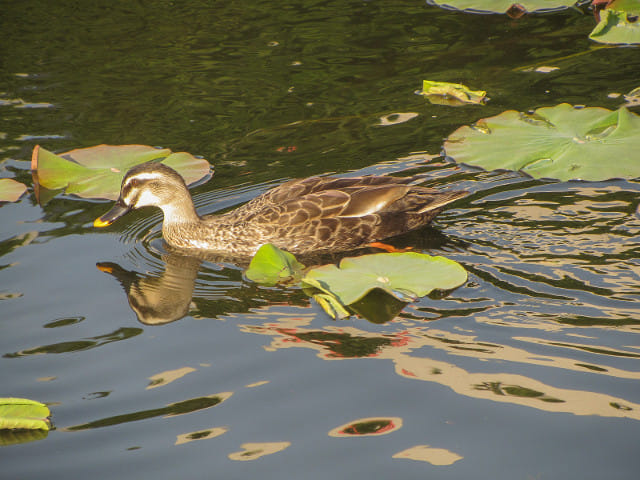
(180, 211)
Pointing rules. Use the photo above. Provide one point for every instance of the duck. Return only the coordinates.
(310, 215)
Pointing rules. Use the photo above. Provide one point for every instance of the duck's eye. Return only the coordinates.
(134, 182)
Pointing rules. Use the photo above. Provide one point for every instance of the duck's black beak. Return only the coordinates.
(117, 211)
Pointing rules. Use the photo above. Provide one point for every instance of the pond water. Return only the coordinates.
(177, 367)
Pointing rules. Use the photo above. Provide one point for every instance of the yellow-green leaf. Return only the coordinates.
(455, 91)
(22, 413)
(271, 265)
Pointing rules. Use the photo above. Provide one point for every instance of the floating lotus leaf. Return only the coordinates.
(270, 265)
(560, 142)
(454, 91)
(96, 172)
(21, 413)
(503, 6)
(406, 276)
(10, 190)
(619, 23)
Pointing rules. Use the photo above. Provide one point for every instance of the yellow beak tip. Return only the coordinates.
(100, 223)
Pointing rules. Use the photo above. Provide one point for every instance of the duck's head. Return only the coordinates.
(150, 184)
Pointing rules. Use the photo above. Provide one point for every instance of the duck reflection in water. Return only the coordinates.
(165, 296)
(161, 299)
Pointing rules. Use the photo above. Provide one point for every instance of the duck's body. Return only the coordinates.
(302, 216)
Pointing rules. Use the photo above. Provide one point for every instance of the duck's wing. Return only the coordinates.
(352, 201)
(295, 189)
(328, 189)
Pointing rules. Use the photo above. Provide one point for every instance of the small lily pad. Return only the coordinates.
(10, 190)
(405, 276)
(619, 23)
(96, 172)
(271, 265)
(436, 92)
(561, 142)
(21, 413)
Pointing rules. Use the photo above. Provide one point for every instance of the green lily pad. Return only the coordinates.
(96, 172)
(560, 142)
(502, 6)
(10, 190)
(437, 91)
(271, 265)
(406, 276)
(619, 23)
(21, 413)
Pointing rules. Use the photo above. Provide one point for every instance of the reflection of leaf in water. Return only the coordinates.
(21, 240)
(516, 391)
(179, 408)
(367, 427)
(164, 378)
(253, 451)
(200, 435)
(78, 345)
(14, 437)
(426, 453)
(342, 345)
(403, 349)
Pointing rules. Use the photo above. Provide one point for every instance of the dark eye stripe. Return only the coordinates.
(129, 194)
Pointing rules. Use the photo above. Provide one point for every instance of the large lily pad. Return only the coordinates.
(619, 23)
(270, 265)
(406, 276)
(10, 190)
(21, 413)
(560, 142)
(96, 172)
(502, 6)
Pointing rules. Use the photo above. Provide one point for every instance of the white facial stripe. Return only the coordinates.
(144, 176)
(147, 198)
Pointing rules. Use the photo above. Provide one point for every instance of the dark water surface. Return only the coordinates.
(161, 366)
